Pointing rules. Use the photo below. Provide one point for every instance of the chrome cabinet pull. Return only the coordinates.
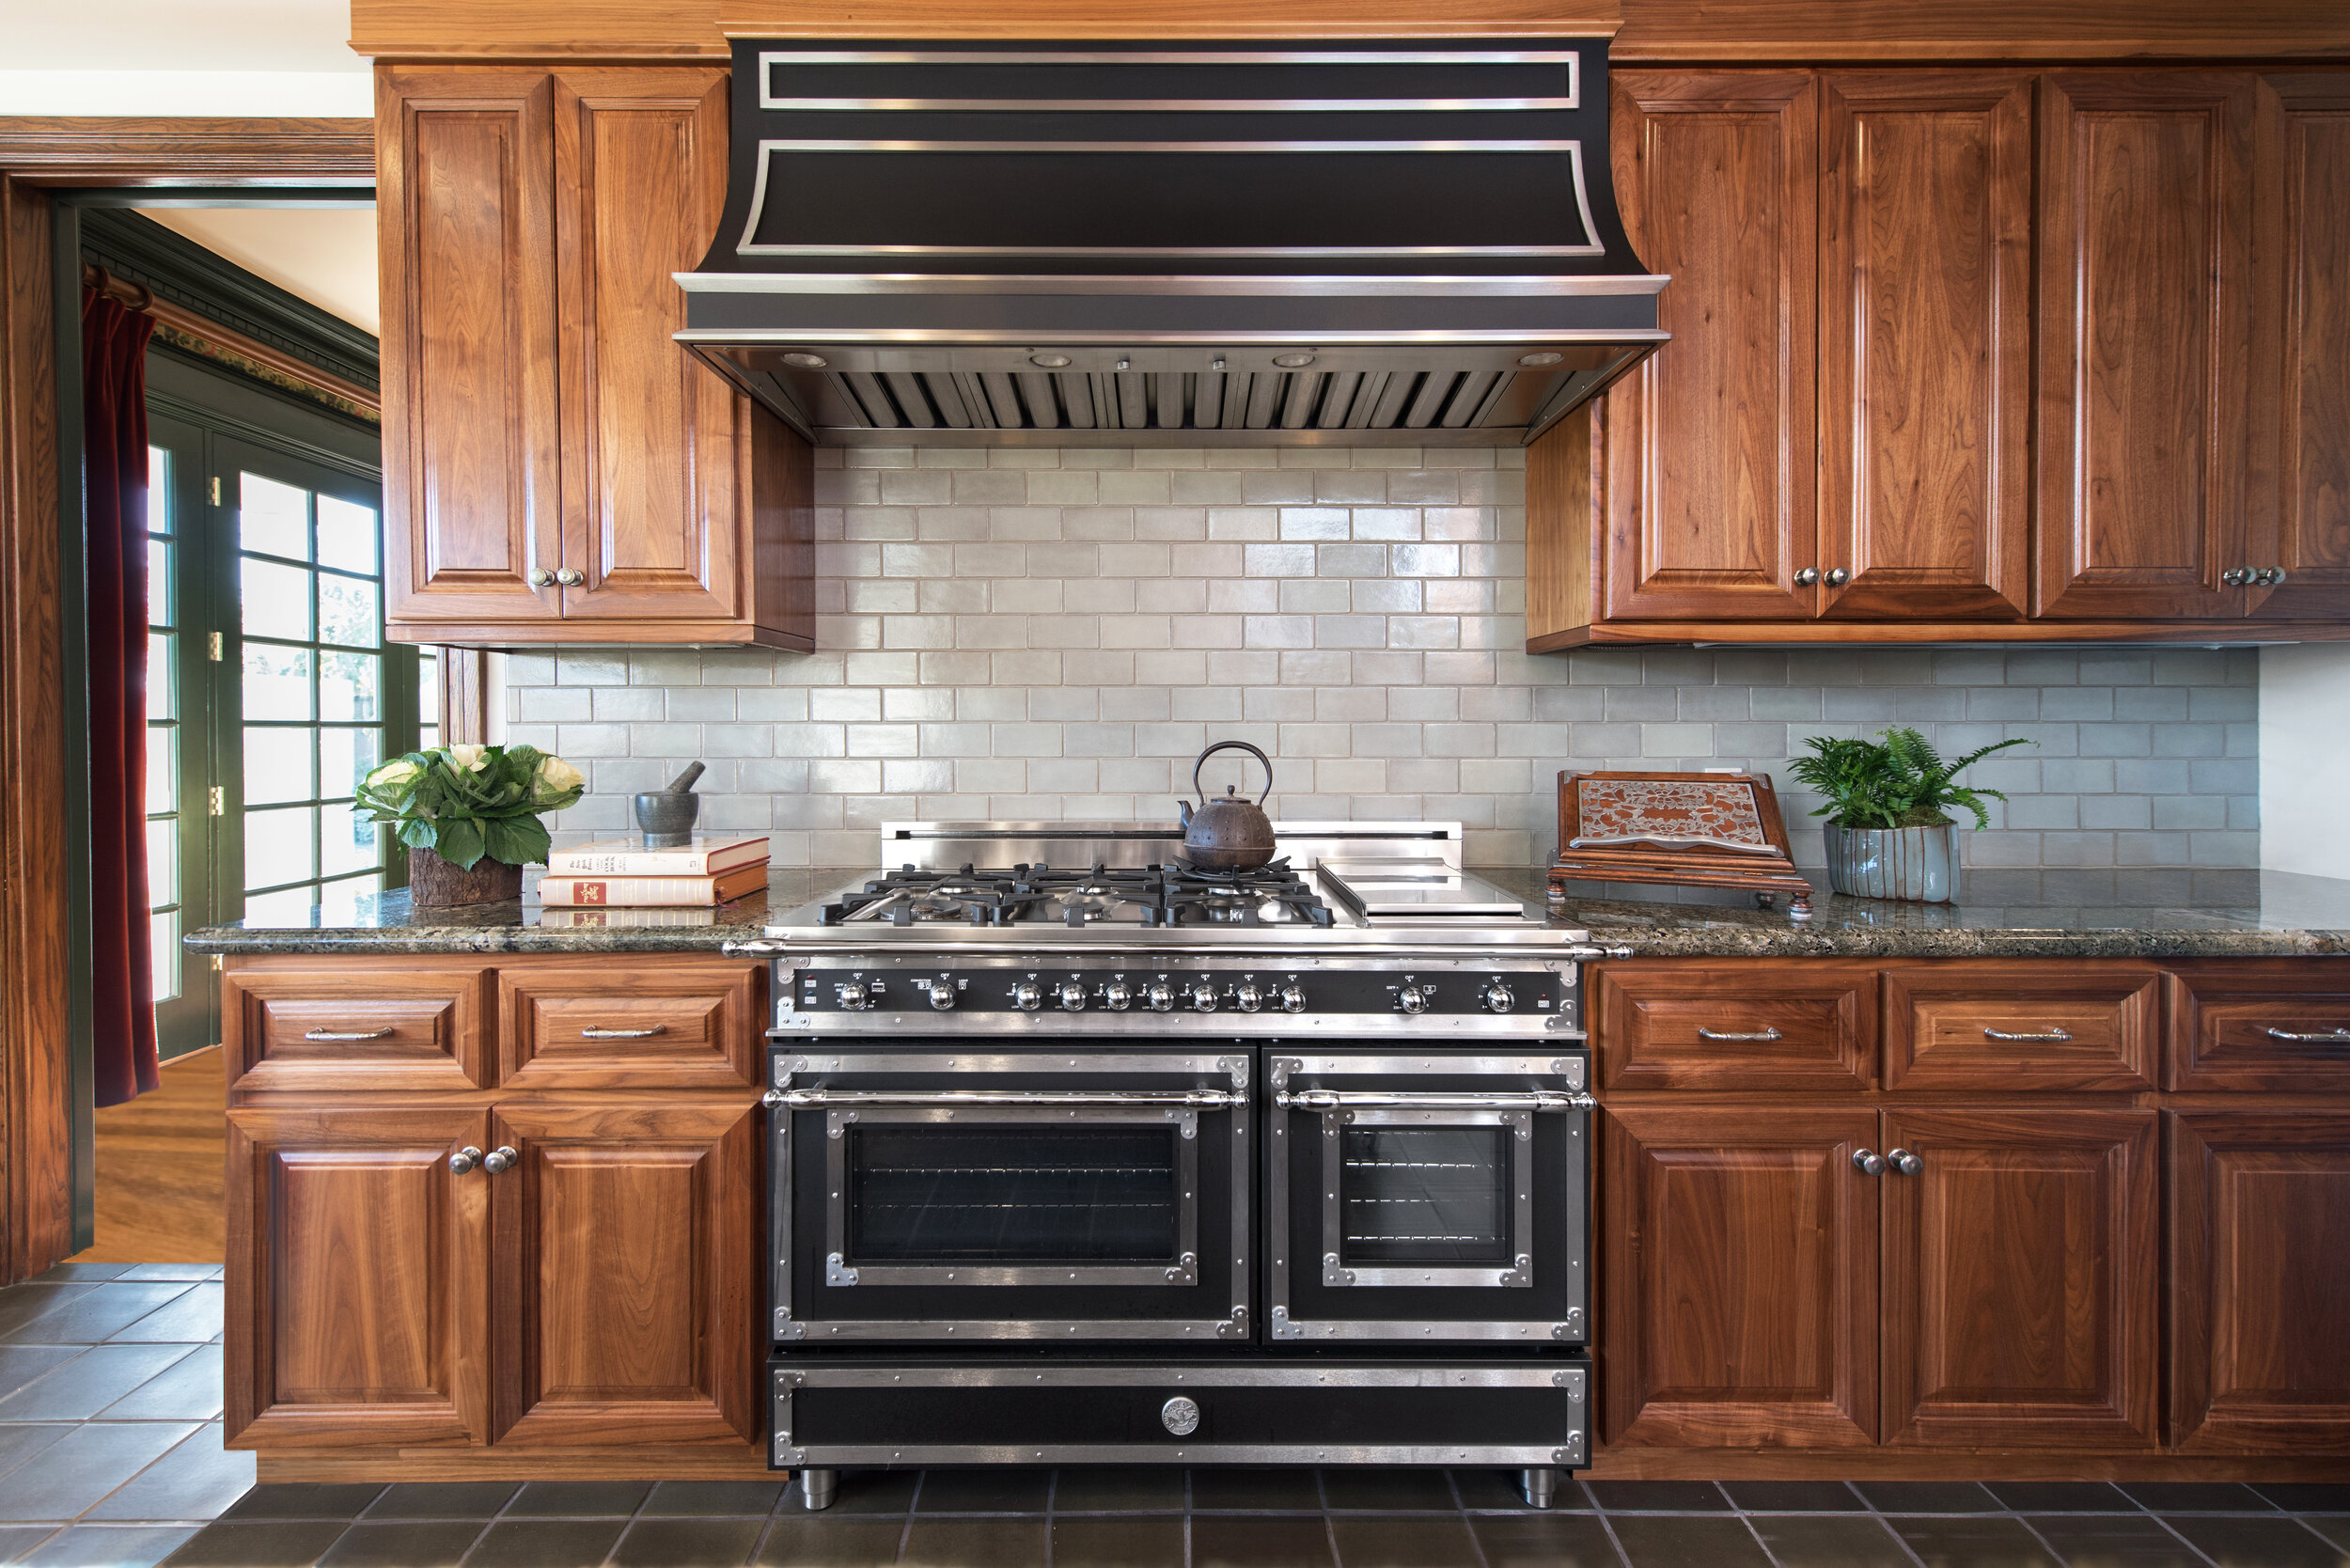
(542, 577)
(593, 1033)
(2311, 1037)
(1990, 1033)
(1837, 576)
(1201, 1099)
(1704, 1034)
(463, 1160)
(501, 1158)
(337, 1034)
(1807, 577)
(569, 576)
(1904, 1162)
(2237, 576)
(1868, 1162)
(1332, 1099)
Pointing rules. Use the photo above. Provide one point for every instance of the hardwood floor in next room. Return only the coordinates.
(161, 1169)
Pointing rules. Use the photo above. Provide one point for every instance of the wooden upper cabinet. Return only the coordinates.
(2306, 533)
(640, 177)
(2146, 343)
(465, 191)
(1926, 344)
(2021, 1291)
(1709, 441)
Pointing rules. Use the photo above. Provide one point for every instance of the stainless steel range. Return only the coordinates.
(1082, 1156)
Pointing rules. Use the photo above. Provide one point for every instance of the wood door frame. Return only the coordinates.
(39, 1009)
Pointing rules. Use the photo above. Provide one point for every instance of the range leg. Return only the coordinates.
(818, 1487)
(1540, 1487)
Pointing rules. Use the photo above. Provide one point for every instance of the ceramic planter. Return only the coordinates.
(437, 883)
(1919, 864)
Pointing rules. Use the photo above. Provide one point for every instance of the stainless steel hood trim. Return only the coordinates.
(1139, 285)
(1169, 57)
(1160, 105)
(1266, 251)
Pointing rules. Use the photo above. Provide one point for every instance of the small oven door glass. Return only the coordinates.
(1423, 1196)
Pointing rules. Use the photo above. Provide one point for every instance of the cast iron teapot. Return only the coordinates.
(1230, 834)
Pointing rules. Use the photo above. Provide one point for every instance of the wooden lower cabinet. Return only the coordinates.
(2020, 1279)
(596, 1291)
(2260, 1359)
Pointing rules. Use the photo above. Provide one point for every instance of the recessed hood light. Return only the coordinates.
(1536, 361)
(804, 361)
(1292, 361)
(1048, 361)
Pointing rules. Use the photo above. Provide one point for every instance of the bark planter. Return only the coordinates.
(437, 883)
(1918, 864)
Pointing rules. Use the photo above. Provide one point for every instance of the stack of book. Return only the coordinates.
(619, 882)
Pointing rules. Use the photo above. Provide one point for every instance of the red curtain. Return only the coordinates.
(114, 491)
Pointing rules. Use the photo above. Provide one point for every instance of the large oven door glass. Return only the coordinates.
(1438, 1197)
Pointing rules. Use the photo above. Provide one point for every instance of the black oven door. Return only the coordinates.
(925, 1191)
(1440, 1197)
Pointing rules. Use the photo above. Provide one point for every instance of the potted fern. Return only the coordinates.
(1889, 832)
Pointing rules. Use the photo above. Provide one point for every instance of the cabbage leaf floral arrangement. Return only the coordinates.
(469, 802)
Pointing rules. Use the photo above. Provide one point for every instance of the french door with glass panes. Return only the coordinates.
(270, 694)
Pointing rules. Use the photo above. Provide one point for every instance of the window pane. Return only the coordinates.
(163, 931)
(158, 491)
(280, 846)
(278, 766)
(159, 582)
(291, 907)
(163, 862)
(428, 688)
(347, 535)
(275, 519)
(277, 601)
(349, 611)
(276, 682)
(346, 757)
(163, 770)
(163, 676)
(348, 685)
(347, 841)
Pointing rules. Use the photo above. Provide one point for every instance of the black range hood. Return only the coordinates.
(1357, 241)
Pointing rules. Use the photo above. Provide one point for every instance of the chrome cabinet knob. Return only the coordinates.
(569, 576)
(1412, 998)
(1161, 997)
(2268, 576)
(1837, 576)
(2237, 576)
(1499, 998)
(1203, 998)
(542, 577)
(852, 996)
(1250, 998)
(1807, 577)
(1027, 996)
(501, 1158)
(1292, 998)
(1905, 1161)
(1117, 996)
(1072, 996)
(463, 1160)
(1869, 1162)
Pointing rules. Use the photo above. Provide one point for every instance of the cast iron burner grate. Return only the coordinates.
(1174, 894)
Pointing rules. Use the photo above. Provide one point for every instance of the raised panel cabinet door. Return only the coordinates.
(648, 430)
(640, 1023)
(2021, 1289)
(296, 1024)
(627, 1265)
(2309, 144)
(2146, 343)
(2260, 1335)
(1766, 1024)
(464, 191)
(1739, 1266)
(1926, 344)
(2277, 1025)
(1710, 441)
(357, 1279)
(2017, 1028)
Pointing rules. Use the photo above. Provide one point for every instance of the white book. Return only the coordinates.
(704, 856)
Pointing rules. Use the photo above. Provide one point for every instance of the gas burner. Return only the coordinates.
(1172, 894)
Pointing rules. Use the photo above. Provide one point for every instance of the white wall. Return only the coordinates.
(2305, 759)
(244, 58)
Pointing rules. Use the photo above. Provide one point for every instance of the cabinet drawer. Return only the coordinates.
(598, 1024)
(1758, 1025)
(302, 1025)
(2010, 1026)
(2268, 1024)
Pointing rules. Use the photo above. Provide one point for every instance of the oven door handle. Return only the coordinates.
(1198, 1098)
(1338, 1100)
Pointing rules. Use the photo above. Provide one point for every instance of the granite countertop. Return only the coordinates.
(2045, 915)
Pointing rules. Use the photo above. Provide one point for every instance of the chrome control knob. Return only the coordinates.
(1292, 999)
(942, 992)
(1027, 996)
(1117, 997)
(1250, 998)
(854, 996)
(1161, 997)
(1203, 998)
(1412, 998)
(1499, 998)
(1072, 996)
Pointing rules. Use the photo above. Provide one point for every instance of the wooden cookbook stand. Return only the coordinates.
(1689, 829)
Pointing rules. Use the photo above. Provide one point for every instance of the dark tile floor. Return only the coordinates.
(1143, 1519)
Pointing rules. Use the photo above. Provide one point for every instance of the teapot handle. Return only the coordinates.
(1266, 763)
